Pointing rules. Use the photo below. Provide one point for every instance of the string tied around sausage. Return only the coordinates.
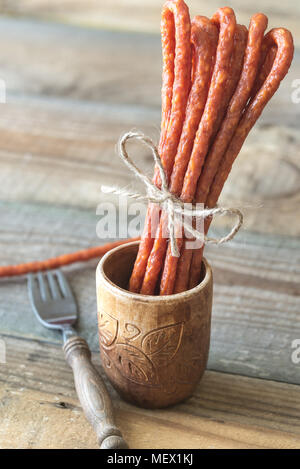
(176, 210)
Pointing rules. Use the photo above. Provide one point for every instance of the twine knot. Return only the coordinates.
(175, 209)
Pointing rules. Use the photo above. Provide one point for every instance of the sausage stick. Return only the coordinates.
(175, 89)
(283, 41)
(204, 38)
(257, 27)
(224, 18)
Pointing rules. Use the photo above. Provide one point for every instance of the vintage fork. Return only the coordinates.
(55, 307)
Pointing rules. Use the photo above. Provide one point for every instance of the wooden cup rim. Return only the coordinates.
(118, 291)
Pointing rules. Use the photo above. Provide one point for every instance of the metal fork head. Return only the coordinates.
(52, 300)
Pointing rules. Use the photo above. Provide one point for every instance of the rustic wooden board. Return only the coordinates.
(47, 140)
(256, 294)
(65, 112)
(107, 66)
(59, 140)
(71, 92)
(132, 15)
(39, 409)
(77, 63)
(102, 67)
(44, 143)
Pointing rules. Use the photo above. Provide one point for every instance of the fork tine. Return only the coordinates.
(64, 285)
(56, 294)
(45, 294)
(33, 289)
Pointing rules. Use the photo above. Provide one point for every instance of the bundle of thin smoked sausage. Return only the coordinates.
(217, 78)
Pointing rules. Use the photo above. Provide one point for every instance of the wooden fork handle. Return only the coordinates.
(93, 395)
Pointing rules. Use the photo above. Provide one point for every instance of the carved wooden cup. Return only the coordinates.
(154, 349)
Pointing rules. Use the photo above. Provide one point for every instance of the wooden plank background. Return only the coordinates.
(67, 104)
(133, 15)
(256, 289)
(72, 90)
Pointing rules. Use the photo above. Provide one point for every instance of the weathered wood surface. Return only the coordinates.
(39, 409)
(50, 136)
(145, 16)
(66, 110)
(101, 66)
(71, 92)
(98, 65)
(256, 288)
(44, 143)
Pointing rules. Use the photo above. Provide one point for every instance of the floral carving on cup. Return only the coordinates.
(105, 359)
(131, 332)
(141, 363)
(108, 328)
(162, 344)
(134, 365)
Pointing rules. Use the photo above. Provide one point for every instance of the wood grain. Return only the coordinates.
(58, 141)
(77, 63)
(100, 66)
(35, 163)
(92, 394)
(131, 15)
(71, 92)
(39, 409)
(256, 288)
(66, 111)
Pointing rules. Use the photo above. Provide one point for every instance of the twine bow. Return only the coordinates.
(170, 204)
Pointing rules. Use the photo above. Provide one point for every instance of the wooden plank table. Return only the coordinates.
(70, 93)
